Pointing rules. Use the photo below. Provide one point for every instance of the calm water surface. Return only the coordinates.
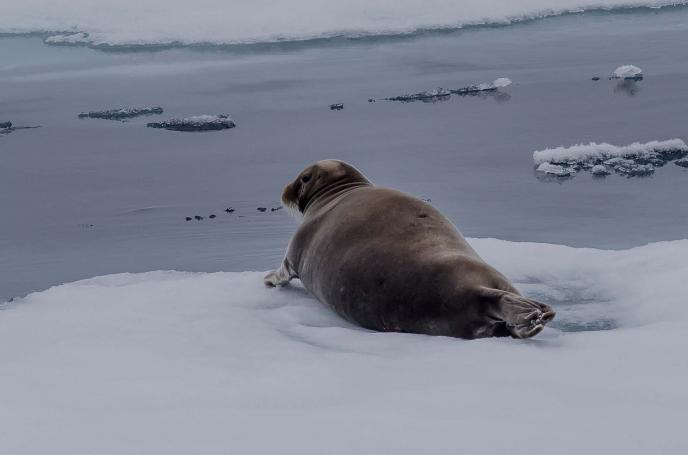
(80, 198)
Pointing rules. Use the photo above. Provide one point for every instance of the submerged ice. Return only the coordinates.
(631, 160)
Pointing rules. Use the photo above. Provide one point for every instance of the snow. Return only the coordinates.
(629, 72)
(178, 363)
(109, 22)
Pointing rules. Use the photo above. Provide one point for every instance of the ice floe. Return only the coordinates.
(121, 114)
(72, 38)
(180, 363)
(162, 22)
(631, 160)
(437, 94)
(196, 123)
(484, 87)
(442, 94)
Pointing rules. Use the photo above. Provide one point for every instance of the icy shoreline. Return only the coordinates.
(170, 359)
(213, 22)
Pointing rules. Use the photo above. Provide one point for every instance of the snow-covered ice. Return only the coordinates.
(635, 159)
(109, 22)
(122, 113)
(71, 38)
(627, 72)
(440, 94)
(178, 363)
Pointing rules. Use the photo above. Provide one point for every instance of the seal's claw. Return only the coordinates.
(524, 317)
(271, 279)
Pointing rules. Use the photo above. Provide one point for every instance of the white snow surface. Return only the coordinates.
(593, 150)
(133, 22)
(214, 363)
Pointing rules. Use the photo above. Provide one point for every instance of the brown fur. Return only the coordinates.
(391, 262)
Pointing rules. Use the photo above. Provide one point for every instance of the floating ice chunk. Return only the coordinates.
(196, 123)
(600, 169)
(554, 169)
(631, 160)
(74, 38)
(683, 162)
(627, 72)
(484, 87)
(120, 114)
(428, 95)
(8, 127)
(603, 151)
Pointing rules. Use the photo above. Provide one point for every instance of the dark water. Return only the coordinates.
(472, 156)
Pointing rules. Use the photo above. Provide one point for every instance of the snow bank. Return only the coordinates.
(179, 363)
(135, 22)
(630, 160)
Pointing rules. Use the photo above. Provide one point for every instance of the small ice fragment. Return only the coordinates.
(502, 82)
(599, 169)
(336, 106)
(554, 169)
(683, 162)
(4, 125)
(627, 72)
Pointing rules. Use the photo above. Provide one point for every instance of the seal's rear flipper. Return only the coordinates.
(522, 317)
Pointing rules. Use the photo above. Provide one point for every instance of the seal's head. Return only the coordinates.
(324, 178)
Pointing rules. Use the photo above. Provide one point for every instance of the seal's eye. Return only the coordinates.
(305, 178)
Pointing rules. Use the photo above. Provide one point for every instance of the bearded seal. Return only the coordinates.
(388, 261)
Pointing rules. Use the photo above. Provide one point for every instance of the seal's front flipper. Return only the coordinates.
(279, 277)
(524, 317)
